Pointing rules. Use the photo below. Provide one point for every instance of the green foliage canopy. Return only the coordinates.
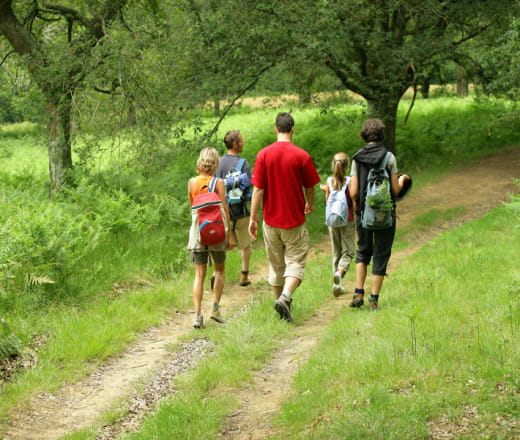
(380, 48)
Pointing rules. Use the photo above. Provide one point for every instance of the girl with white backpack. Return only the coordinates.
(339, 217)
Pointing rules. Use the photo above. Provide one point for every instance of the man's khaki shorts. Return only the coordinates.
(241, 233)
(287, 251)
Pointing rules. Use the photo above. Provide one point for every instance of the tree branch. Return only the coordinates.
(472, 35)
(21, 40)
(7, 55)
(235, 99)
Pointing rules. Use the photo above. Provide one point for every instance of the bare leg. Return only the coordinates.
(218, 285)
(291, 283)
(377, 283)
(246, 256)
(198, 285)
(361, 275)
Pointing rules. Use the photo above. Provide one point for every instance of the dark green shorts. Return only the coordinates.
(203, 257)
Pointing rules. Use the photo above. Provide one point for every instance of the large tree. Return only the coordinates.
(380, 48)
(62, 43)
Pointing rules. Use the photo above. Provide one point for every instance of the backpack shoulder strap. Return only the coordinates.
(240, 164)
(385, 160)
(212, 184)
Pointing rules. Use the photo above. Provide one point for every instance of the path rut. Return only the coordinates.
(478, 188)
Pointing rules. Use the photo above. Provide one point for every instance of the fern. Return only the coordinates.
(10, 345)
(35, 280)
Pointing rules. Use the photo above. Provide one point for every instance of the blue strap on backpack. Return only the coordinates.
(240, 164)
(212, 184)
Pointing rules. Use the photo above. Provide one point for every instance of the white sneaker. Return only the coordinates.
(199, 321)
(337, 288)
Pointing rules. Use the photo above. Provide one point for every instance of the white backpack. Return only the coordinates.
(336, 211)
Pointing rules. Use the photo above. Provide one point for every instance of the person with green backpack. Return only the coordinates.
(374, 186)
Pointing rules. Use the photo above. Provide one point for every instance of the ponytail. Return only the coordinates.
(340, 165)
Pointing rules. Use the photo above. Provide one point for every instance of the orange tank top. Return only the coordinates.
(201, 185)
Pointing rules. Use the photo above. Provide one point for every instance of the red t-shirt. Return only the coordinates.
(282, 170)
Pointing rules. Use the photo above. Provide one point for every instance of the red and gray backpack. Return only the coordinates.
(210, 215)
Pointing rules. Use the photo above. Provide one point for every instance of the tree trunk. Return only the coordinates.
(462, 82)
(385, 108)
(131, 119)
(59, 144)
(56, 84)
(304, 96)
(425, 87)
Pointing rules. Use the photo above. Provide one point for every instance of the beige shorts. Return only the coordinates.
(287, 251)
(241, 233)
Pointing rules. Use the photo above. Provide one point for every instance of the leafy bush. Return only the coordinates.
(130, 216)
(443, 131)
(10, 345)
(43, 242)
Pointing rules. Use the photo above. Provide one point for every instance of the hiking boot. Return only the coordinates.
(244, 279)
(215, 314)
(199, 321)
(357, 300)
(373, 303)
(337, 288)
(283, 306)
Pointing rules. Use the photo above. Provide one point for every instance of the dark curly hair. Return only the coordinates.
(373, 130)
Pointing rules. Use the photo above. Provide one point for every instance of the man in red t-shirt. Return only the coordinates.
(284, 176)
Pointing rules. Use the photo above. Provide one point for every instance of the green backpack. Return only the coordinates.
(377, 213)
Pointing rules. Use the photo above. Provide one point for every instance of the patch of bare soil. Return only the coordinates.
(151, 364)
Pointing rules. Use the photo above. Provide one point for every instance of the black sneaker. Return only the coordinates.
(283, 306)
(357, 300)
(374, 304)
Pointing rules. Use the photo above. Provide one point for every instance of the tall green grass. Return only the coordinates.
(441, 353)
(445, 340)
(121, 226)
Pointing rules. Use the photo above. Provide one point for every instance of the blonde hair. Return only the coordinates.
(208, 161)
(339, 166)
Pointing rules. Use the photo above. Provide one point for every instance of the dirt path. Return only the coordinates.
(478, 188)
(150, 363)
